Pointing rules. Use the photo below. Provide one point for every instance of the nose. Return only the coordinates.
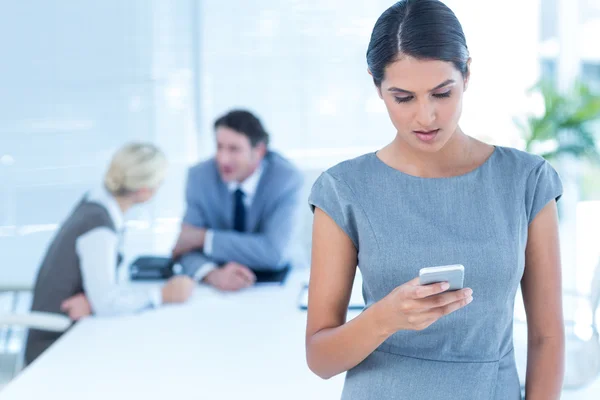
(425, 114)
(222, 157)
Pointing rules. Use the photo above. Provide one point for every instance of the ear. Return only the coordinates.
(377, 87)
(142, 195)
(468, 74)
(261, 150)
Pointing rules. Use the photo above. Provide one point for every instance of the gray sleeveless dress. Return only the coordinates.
(400, 223)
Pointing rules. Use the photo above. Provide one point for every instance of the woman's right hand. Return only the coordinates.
(412, 306)
(178, 289)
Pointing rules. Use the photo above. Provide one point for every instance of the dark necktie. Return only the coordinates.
(239, 213)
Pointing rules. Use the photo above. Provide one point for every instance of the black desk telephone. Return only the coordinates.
(151, 268)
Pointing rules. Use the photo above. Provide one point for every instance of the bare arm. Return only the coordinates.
(541, 287)
(334, 346)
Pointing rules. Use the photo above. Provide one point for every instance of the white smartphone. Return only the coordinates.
(453, 274)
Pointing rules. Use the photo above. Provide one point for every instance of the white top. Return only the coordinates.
(98, 250)
(249, 187)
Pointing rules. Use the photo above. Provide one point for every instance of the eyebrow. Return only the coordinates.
(441, 85)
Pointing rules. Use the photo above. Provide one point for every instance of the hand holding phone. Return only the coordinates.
(415, 306)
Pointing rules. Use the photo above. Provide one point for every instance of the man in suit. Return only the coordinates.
(242, 208)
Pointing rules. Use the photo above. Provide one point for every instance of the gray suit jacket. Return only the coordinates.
(271, 220)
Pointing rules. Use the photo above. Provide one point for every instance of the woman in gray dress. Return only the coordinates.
(434, 196)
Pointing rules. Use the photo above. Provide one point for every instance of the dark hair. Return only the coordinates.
(423, 29)
(246, 123)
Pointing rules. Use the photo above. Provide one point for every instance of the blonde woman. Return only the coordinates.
(78, 273)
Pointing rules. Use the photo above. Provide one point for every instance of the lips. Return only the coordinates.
(426, 136)
(427, 132)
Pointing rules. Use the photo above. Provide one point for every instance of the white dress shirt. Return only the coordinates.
(98, 250)
(249, 187)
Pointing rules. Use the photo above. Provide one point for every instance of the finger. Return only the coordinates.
(234, 273)
(413, 282)
(231, 287)
(74, 315)
(80, 315)
(247, 284)
(68, 303)
(422, 291)
(65, 306)
(240, 281)
(443, 299)
(440, 312)
(228, 282)
(190, 285)
(246, 274)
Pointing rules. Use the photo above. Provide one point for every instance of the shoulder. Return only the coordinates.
(203, 169)
(352, 171)
(518, 161)
(95, 214)
(345, 180)
(87, 216)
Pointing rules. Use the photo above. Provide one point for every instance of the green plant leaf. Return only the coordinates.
(565, 121)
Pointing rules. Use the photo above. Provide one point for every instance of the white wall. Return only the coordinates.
(78, 79)
(302, 66)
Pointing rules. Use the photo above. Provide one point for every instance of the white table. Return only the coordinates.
(247, 345)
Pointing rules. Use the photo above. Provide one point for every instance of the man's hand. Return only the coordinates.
(231, 277)
(178, 289)
(190, 238)
(76, 307)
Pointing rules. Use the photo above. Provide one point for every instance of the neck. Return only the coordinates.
(124, 202)
(454, 154)
(249, 174)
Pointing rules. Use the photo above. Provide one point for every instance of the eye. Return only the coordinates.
(442, 95)
(403, 99)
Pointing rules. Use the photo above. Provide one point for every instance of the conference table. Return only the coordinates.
(218, 345)
(244, 345)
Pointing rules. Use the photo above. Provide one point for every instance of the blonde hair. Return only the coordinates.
(135, 166)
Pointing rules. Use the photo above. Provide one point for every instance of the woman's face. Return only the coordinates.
(424, 101)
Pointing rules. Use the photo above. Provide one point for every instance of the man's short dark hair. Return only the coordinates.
(246, 123)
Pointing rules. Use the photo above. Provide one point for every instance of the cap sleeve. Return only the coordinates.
(336, 199)
(543, 186)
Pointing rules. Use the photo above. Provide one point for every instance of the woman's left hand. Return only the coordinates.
(76, 307)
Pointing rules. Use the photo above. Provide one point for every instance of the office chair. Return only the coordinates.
(34, 320)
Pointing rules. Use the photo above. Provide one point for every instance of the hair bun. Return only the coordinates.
(135, 166)
(115, 179)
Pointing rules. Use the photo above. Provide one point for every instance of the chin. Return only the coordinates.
(433, 146)
(227, 177)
